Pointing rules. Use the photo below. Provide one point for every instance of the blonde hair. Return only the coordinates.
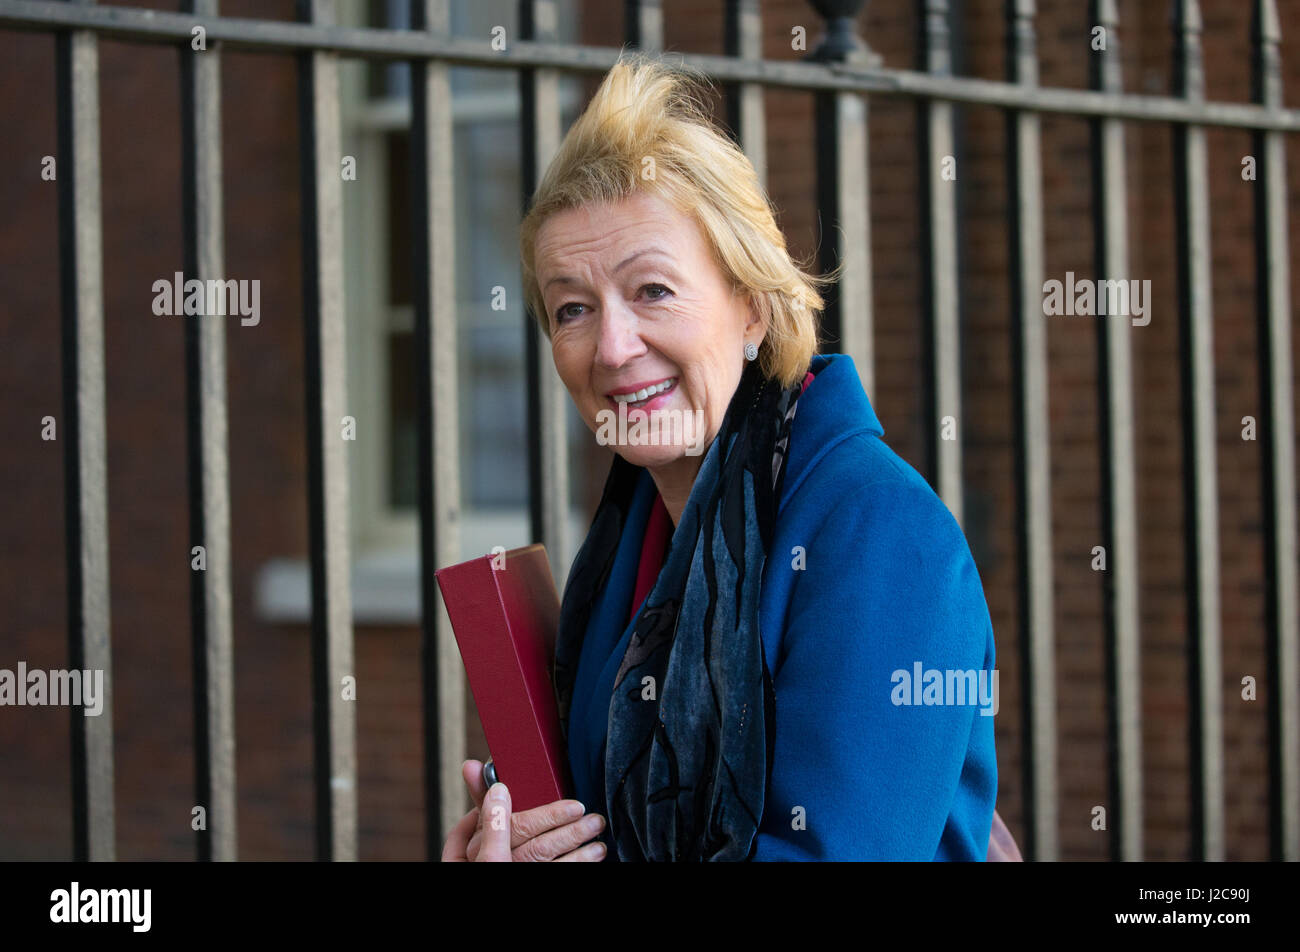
(646, 116)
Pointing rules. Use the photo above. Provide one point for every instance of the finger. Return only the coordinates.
(539, 820)
(558, 842)
(476, 837)
(528, 824)
(454, 850)
(591, 853)
(471, 772)
(475, 842)
(495, 847)
(531, 823)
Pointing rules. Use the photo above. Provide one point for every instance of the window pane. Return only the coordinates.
(388, 79)
(399, 219)
(490, 314)
(494, 464)
(403, 461)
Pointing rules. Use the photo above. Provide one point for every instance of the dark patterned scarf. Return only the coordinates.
(688, 755)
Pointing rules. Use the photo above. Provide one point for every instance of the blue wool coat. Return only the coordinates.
(869, 578)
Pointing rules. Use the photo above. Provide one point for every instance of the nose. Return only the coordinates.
(619, 339)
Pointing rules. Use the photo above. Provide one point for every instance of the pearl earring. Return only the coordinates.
(751, 350)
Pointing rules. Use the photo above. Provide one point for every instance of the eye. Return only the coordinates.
(562, 312)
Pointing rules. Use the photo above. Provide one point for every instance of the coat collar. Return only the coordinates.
(834, 408)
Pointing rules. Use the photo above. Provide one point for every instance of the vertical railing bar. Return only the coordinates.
(433, 205)
(208, 463)
(744, 40)
(853, 204)
(844, 198)
(1118, 479)
(1200, 478)
(1033, 444)
(85, 439)
(940, 259)
(548, 454)
(334, 718)
(644, 24)
(1277, 446)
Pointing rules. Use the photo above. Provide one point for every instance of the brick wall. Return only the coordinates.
(148, 538)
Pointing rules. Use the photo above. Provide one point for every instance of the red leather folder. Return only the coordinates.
(505, 613)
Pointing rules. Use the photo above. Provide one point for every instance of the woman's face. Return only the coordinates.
(635, 300)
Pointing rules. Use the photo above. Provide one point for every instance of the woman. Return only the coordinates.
(741, 631)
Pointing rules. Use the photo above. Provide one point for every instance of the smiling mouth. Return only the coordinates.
(645, 394)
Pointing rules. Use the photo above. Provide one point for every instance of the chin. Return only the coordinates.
(651, 457)
(653, 438)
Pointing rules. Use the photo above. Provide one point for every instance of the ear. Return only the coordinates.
(754, 321)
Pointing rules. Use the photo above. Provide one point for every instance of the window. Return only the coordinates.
(376, 125)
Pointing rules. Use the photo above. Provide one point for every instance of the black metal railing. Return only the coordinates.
(844, 74)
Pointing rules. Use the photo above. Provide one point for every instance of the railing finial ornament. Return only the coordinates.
(841, 43)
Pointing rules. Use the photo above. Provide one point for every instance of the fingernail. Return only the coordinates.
(575, 810)
(498, 792)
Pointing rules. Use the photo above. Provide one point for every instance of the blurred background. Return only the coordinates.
(152, 677)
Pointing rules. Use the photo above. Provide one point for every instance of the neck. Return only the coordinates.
(674, 483)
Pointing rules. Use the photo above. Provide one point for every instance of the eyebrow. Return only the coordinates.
(565, 279)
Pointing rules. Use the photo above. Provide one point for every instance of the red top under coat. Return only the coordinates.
(654, 547)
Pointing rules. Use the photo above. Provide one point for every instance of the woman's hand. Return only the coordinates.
(490, 833)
